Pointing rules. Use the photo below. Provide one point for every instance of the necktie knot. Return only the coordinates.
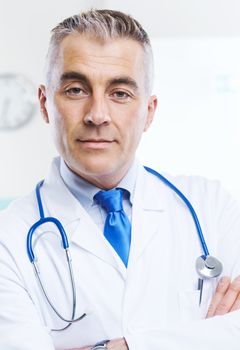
(110, 200)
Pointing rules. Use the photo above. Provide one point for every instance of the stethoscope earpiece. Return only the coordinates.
(208, 266)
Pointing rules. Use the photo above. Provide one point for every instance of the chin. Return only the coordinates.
(95, 167)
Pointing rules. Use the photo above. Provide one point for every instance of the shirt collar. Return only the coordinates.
(84, 191)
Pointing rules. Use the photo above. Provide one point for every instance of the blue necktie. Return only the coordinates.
(117, 229)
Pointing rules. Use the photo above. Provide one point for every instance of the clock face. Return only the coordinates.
(17, 101)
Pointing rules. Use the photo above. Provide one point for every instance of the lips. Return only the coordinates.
(96, 143)
(96, 140)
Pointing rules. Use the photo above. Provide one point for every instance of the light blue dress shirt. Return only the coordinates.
(85, 192)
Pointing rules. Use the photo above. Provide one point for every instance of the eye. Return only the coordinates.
(75, 91)
(121, 95)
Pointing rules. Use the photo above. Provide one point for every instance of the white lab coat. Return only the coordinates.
(153, 304)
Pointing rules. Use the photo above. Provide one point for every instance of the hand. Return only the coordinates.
(115, 344)
(226, 297)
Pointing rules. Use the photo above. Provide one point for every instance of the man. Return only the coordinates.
(133, 267)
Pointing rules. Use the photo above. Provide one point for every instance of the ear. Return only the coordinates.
(152, 105)
(42, 101)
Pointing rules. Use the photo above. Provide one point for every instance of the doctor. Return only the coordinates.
(132, 268)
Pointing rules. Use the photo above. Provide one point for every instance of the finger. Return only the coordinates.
(117, 344)
(236, 305)
(221, 289)
(227, 302)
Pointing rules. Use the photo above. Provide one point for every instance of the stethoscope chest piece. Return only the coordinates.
(208, 266)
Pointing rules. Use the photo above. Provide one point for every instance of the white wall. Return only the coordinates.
(197, 126)
(184, 33)
(184, 18)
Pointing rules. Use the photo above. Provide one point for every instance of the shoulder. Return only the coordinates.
(195, 185)
(23, 212)
(18, 214)
(203, 190)
(199, 190)
(185, 182)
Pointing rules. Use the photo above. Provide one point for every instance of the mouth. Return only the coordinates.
(96, 143)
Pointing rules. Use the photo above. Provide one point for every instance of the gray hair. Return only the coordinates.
(101, 25)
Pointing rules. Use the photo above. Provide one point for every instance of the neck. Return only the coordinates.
(103, 181)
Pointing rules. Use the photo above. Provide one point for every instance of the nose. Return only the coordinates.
(97, 113)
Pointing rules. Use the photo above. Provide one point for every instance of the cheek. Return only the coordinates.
(134, 129)
(60, 116)
(58, 124)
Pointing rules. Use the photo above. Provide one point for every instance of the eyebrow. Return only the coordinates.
(74, 76)
(125, 80)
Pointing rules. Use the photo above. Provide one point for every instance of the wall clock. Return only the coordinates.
(18, 101)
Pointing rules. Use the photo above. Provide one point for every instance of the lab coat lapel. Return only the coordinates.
(80, 228)
(148, 215)
(89, 237)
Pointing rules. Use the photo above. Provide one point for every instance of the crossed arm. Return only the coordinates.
(226, 299)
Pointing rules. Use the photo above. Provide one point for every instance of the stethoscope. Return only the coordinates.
(206, 265)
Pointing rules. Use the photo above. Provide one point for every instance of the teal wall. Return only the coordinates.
(4, 202)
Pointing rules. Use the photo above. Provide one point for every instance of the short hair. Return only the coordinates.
(101, 25)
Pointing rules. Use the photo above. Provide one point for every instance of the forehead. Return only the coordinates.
(94, 57)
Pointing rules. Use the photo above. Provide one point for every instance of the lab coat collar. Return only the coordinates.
(57, 192)
(58, 199)
(82, 231)
(146, 191)
(148, 214)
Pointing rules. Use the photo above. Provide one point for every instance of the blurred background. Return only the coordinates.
(197, 79)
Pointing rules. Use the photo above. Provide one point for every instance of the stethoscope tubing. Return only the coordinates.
(43, 220)
(65, 244)
(39, 223)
